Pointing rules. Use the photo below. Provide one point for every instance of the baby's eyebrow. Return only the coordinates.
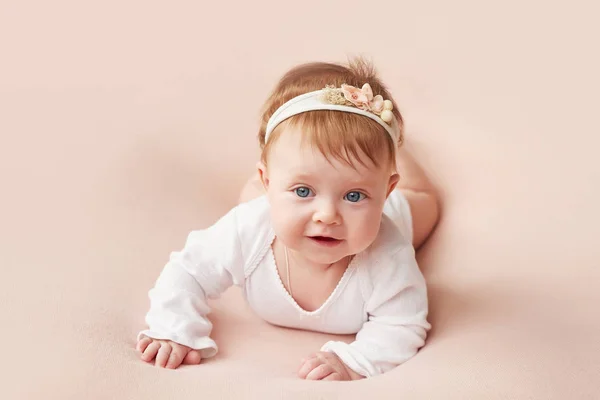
(302, 176)
(351, 184)
(360, 186)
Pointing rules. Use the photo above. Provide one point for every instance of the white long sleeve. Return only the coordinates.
(382, 296)
(397, 318)
(210, 262)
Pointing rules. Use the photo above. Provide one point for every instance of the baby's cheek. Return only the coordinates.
(366, 232)
(279, 226)
(285, 226)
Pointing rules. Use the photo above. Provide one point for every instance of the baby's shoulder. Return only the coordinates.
(388, 256)
(254, 212)
(254, 228)
(390, 240)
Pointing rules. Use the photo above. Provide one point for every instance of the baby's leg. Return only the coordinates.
(252, 189)
(421, 195)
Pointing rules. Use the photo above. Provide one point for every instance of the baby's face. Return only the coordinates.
(325, 210)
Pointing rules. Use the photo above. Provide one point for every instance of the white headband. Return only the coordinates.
(330, 99)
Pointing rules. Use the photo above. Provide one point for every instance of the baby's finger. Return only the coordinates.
(192, 358)
(143, 343)
(163, 355)
(320, 372)
(314, 355)
(308, 366)
(151, 351)
(176, 357)
(333, 377)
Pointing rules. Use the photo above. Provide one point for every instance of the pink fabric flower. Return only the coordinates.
(363, 98)
(356, 96)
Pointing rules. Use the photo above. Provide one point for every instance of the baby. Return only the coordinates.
(329, 248)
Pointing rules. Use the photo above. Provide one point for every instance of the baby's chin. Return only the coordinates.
(324, 258)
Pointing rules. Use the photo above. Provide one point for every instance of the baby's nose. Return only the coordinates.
(326, 213)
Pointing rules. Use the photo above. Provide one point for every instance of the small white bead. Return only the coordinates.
(387, 105)
(387, 116)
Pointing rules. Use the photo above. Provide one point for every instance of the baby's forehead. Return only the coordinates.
(301, 154)
(330, 170)
(300, 161)
(296, 149)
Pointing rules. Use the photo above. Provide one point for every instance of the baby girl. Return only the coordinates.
(324, 238)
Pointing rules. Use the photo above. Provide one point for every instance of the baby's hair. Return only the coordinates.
(338, 134)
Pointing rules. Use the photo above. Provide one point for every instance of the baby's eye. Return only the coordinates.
(354, 197)
(302, 191)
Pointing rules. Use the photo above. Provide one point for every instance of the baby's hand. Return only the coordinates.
(168, 354)
(326, 366)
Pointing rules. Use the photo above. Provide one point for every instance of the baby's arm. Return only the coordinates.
(397, 324)
(421, 196)
(210, 262)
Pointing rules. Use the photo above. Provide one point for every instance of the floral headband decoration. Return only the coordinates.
(345, 99)
(361, 98)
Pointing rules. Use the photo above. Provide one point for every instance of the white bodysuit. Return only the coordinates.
(381, 296)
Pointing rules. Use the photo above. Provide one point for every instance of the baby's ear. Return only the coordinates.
(262, 173)
(394, 178)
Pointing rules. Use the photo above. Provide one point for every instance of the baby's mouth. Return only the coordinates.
(325, 240)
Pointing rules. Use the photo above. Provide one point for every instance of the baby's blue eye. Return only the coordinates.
(302, 191)
(354, 197)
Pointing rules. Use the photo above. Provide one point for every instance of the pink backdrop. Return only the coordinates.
(126, 124)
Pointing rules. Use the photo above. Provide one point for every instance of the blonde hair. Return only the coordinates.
(339, 134)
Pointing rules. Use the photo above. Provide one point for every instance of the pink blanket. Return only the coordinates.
(124, 125)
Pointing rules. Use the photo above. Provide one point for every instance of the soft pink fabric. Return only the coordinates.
(111, 151)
